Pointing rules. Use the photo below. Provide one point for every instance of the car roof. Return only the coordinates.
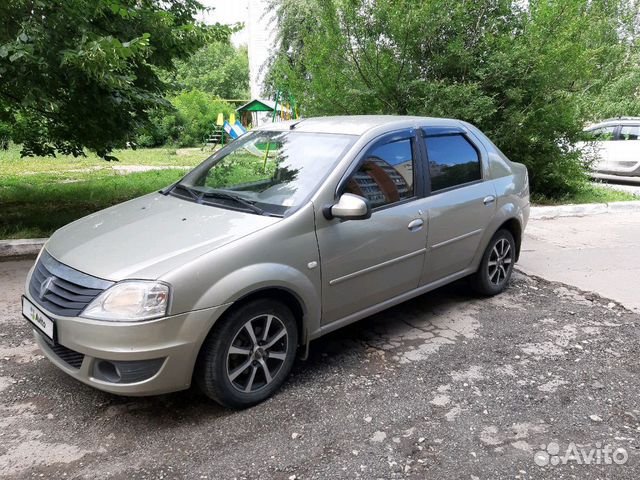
(357, 124)
(616, 121)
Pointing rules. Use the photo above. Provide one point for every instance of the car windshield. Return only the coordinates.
(264, 172)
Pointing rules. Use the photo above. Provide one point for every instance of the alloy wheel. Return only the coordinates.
(257, 353)
(500, 261)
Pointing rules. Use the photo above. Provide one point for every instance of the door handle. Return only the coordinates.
(415, 225)
(489, 200)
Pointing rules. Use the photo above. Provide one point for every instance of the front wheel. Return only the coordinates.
(246, 358)
(495, 269)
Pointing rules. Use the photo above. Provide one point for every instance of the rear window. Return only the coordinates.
(453, 161)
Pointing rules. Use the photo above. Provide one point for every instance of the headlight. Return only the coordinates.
(130, 301)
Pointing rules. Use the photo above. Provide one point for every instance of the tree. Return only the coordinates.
(78, 74)
(200, 84)
(218, 68)
(529, 74)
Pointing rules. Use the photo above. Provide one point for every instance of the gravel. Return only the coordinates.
(447, 385)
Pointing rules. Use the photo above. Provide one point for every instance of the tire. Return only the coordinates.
(238, 372)
(496, 266)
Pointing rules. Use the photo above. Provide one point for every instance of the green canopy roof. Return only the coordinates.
(260, 105)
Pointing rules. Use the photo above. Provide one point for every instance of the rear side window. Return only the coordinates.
(386, 174)
(629, 132)
(453, 161)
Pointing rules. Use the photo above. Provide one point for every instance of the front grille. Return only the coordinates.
(63, 290)
(70, 357)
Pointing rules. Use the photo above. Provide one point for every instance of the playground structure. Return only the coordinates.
(231, 128)
(253, 113)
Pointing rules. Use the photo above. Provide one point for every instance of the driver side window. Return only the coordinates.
(386, 174)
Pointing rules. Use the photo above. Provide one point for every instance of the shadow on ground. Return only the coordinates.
(189, 405)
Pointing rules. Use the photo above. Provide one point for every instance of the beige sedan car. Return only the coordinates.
(290, 232)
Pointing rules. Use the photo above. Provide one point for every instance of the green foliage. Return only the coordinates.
(40, 194)
(190, 119)
(218, 68)
(37, 208)
(529, 74)
(241, 167)
(78, 74)
(5, 135)
(588, 193)
(619, 96)
(72, 169)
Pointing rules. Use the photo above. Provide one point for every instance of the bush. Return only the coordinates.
(186, 122)
(216, 71)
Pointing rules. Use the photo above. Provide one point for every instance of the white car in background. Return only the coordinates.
(617, 146)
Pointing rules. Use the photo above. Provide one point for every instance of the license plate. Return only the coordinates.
(37, 318)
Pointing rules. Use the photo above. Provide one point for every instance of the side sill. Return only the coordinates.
(354, 317)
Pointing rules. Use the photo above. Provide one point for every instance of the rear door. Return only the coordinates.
(461, 200)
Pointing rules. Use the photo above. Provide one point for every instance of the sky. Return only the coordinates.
(228, 11)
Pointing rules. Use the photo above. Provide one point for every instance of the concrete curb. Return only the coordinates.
(21, 248)
(31, 247)
(548, 213)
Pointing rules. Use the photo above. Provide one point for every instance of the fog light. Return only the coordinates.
(126, 371)
(106, 370)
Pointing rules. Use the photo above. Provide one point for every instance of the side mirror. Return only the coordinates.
(349, 207)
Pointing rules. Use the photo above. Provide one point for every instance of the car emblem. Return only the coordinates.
(45, 285)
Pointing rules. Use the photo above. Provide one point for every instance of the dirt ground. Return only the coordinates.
(447, 385)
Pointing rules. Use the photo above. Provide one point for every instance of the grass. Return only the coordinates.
(588, 194)
(38, 207)
(12, 164)
(40, 195)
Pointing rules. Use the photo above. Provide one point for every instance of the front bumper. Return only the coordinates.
(170, 345)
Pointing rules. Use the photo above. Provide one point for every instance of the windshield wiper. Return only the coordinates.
(217, 194)
(235, 198)
(190, 191)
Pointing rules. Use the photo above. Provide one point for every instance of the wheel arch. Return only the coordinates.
(508, 217)
(283, 295)
(513, 226)
(280, 281)
(279, 293)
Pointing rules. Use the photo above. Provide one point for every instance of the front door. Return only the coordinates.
(604, 140)
(365, 262)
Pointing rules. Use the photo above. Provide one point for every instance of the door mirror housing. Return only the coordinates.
(349, 207)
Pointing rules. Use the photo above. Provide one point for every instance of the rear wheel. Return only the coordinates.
(249, 354)
(495, 269)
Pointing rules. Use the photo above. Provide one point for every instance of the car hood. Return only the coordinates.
(149, 236)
